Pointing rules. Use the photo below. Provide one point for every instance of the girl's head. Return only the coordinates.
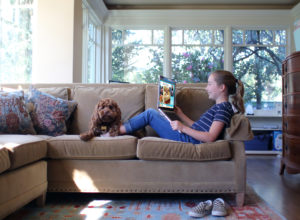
(233, 87)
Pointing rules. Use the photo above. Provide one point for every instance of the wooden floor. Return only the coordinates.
(281, 192)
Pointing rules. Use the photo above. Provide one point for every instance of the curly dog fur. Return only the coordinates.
(106, 118)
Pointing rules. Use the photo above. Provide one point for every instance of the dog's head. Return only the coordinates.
(107, 111)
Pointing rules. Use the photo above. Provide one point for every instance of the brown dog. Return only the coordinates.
(106, 118)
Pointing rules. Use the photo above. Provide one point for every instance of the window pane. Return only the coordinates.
(16, 41)
(177, 37)
(191, 64)
(191, 37)
(91, 62)
(92, 31)
(198, 37)
(237, 36)
(138, 37)
(116, 36)
(252, 37)
(259, 37)
(266, 37)
(219, 37)
(158, 37)
(259, 67)
(280, 37)
(260, 70)
(137, 64)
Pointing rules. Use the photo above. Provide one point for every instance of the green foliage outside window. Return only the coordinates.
(257, 57)
(137, 55)
(16, 40)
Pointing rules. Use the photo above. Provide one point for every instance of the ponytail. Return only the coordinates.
(237, 98)
(235, 88)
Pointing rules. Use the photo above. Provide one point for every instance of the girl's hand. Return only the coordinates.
(178, 110)
(177, 125)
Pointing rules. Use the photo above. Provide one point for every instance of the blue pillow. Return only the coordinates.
(14, 117)
(49, 114)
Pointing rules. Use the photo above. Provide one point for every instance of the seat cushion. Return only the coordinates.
(153, 148)
(71, 147)
(23, 149)
(4, 159)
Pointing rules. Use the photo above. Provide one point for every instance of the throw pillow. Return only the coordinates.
(14, 117)
(49, 114)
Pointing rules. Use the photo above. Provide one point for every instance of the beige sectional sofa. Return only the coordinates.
(31, 165)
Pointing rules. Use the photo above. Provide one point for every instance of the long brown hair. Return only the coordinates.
(235, 88)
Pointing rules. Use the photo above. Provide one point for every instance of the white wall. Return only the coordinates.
(53, 42)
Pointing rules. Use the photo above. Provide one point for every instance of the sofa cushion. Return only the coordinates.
(240, 129)
(130, 99)
(71, 147)
(4, 159)
(49, 114)
(153, 148)
(58, 92)
(23, 149)
(14, 117)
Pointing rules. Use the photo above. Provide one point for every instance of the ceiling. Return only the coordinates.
(200, 4)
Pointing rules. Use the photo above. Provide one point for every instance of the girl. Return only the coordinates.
(221, 85)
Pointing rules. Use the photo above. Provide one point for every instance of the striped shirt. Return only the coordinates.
(219, 112)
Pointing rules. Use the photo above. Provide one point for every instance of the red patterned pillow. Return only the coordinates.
(14, 117)
(49, 114)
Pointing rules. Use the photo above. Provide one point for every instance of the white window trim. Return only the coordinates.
(90, 16)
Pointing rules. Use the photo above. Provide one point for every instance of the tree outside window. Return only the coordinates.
(257, 57)
(196, 53)
(16, 17)
(137, 55)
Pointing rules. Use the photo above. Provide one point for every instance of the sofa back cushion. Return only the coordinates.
(130, 99)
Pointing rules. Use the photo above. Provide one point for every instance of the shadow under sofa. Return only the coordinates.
(123, 164)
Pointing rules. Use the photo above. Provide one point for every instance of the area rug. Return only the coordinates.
(150, 207)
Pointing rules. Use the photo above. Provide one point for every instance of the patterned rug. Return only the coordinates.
(72, 206)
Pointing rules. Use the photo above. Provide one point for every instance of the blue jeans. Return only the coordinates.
(159, 124)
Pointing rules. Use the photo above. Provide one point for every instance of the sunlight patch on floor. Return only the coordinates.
(95, 209)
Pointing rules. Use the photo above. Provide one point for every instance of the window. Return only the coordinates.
(137, 55)
(196, 53)
(91, 46)
(16, 18)
(257, 57)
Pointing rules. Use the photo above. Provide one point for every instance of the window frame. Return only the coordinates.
(89, 17)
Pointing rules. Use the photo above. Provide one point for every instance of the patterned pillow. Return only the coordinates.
(14, 117)
(49, 114)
